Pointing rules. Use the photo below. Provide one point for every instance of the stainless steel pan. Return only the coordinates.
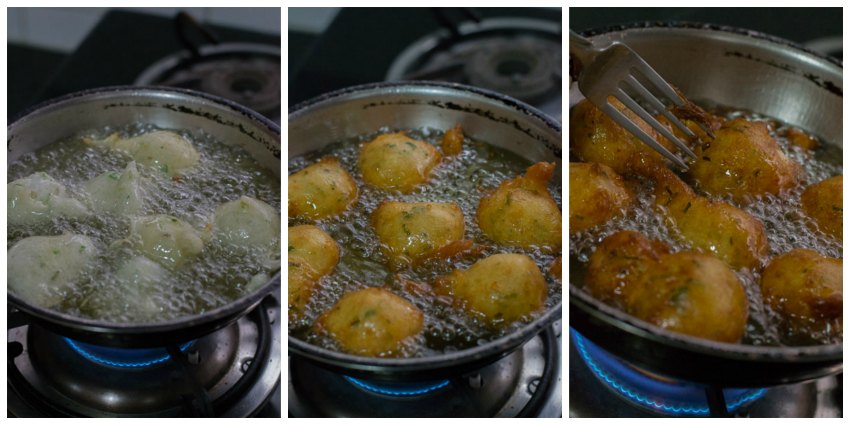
(484, 115)
(61, 118)
(747, 70)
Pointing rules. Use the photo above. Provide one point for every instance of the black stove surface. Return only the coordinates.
(361, 44)
(233, 372)
(119, 49)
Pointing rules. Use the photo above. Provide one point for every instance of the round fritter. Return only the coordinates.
(521, 212)
(714, 227)
(617, 264)
(315, 246)
(685, 292)
(597, 194)
(555, 268)
(246, 224)
(41, 268)
(372, 322)
(166, 239)
(502, 288)
(594, 137)
(413, 232)
(805, 288)
(397, 162)
(743, 161)
(39, 198)
(824, 202)
(311, 254)
(321, 190)
(166, 151)
(694, 294)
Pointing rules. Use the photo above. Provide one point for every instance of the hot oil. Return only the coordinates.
(462, 179)
(213, 279)
(785, 224)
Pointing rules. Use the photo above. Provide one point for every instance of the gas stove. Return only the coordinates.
(526, 383)
(513, 51)
(233, 372)
(607, 386)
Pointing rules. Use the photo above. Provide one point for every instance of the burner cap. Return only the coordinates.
(248, 74)
(518, 57)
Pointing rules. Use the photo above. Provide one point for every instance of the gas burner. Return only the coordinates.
(612, 387)
(517, 57)
(515, 386)
(248, 74)
(230, 373)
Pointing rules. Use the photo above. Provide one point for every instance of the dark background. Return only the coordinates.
(360, 44)
(115, 52)
(795, 24)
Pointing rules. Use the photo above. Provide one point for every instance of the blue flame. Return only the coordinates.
(123, 357)
(678, 398)
(399, 390)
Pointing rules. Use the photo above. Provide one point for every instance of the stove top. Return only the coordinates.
(526, 383)
(514, 51)
(233, 372)
(125, 44)
(610, 387)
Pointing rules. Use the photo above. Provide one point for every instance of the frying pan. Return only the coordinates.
(748, 70)
(484, 115)
(63, 117)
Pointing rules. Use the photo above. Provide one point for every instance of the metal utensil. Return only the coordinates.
(610, 69)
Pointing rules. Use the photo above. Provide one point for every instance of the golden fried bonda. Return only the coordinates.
(685, 292)
(372, 322)
(597, 194)
(321, 190)
(743, 161)
(311, 254)
(617, 264)
(594, 137)
(715, 227)
(501, 288)
(694, 294)
(397, 162)
(805, 288)
(413, 232)
(521, 212)
(824, 202)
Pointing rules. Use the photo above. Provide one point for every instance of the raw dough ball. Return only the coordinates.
(166, 239)
(117, 192)
(165, 151)
(41, 268)
(247, 224)
(39, 198)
